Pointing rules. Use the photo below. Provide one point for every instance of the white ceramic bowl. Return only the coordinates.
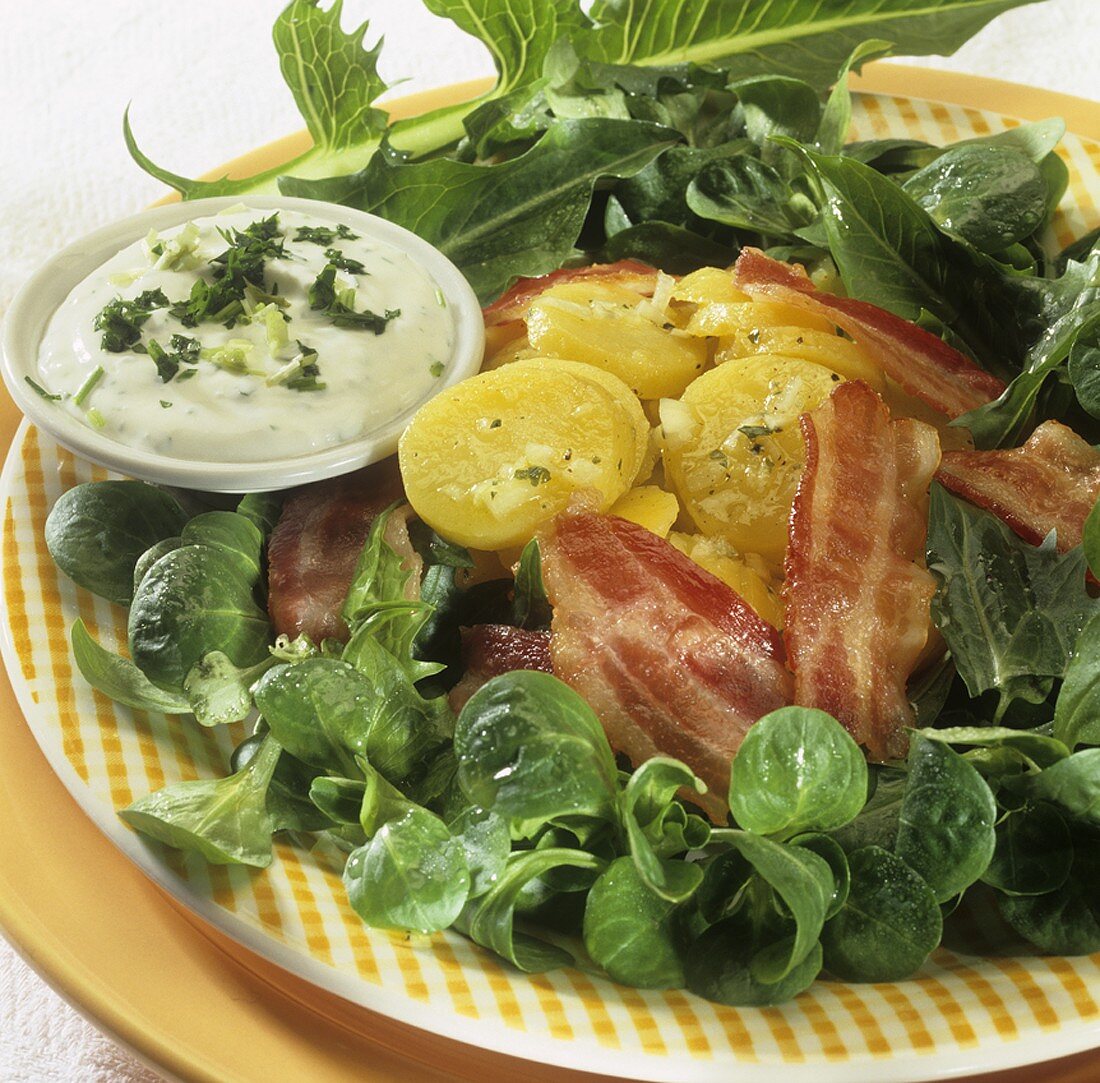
(44, 292)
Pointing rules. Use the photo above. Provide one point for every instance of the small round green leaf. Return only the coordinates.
(889, 925)
(1033, 853)
(946, 824)
(627, 930)
(797, 770)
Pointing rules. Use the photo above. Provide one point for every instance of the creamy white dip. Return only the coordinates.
(253, 394)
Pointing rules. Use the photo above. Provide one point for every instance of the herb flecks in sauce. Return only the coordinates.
(322, 235)
(338, 303)
(241, 312)
(121, 321)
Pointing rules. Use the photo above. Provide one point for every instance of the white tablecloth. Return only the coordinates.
(204, 82)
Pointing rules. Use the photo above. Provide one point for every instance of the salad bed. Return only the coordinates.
(827, 861)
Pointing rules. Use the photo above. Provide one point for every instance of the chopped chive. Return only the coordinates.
(86, 387)
(439, 298)
(95, 418)
(41, 391)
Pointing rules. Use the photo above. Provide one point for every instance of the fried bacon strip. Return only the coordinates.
(513, 304)
(921, 364)
(316, 544)
(488, 650)
(857, 597)
(669, 657)
(1051, 483)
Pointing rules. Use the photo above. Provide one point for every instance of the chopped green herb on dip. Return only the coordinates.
(219, 310)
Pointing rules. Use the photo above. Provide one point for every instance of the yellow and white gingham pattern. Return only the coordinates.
(960, 1012)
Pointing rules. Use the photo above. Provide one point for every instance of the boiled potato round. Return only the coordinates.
(649, 506)
(625, 400)
(733, 449)
(744, 573)
(487, 461)
(610, 333)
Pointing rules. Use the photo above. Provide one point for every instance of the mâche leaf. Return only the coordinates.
(226, 819)
(118, 677)
(889, 924)
(531, 749)
(96, 532)
(946, 821)
(797, 770)
(629, 930)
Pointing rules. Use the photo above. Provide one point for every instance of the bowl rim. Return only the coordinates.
(36, 302)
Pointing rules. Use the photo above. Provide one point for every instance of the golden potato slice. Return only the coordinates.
(733, 450)
(746, 573)
(515, 349)
(822, 347)
(652, 359)
(488, 460)
(648, 506)
(708, 285)
(625, 399)
(751, 318)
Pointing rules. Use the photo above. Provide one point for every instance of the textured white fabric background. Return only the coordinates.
(204, 80)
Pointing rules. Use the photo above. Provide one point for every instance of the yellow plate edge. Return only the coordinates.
(93, 975)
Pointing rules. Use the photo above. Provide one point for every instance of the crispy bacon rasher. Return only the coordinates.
(921, 364)
(669, 657)
(316, 544)
(488, 650)
(513, 304)
(857, 597)
(1051, 483)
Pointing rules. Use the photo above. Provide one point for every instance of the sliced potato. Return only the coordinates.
(625, 399)
(653, 360)
(648, 506)
(501, 335)
(822, 347)
(733, 450)
(515, 349)
(751, 318)
(708, 285)
(488, 460)
(744, 573)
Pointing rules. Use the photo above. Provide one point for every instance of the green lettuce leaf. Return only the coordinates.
(335, 81)
(1010, 612)
(521, 217)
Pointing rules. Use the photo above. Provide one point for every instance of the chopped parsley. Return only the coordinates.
(536, 475)
(495, 423)
(344, 263)
(239, 267)
(436, 368)
(121, 321)
(718, 455)
(323, 235)
(164, 404)
(753, 431)
(181, 351)
(339, 307)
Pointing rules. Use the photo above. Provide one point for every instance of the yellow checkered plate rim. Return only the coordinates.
(961, 1013)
